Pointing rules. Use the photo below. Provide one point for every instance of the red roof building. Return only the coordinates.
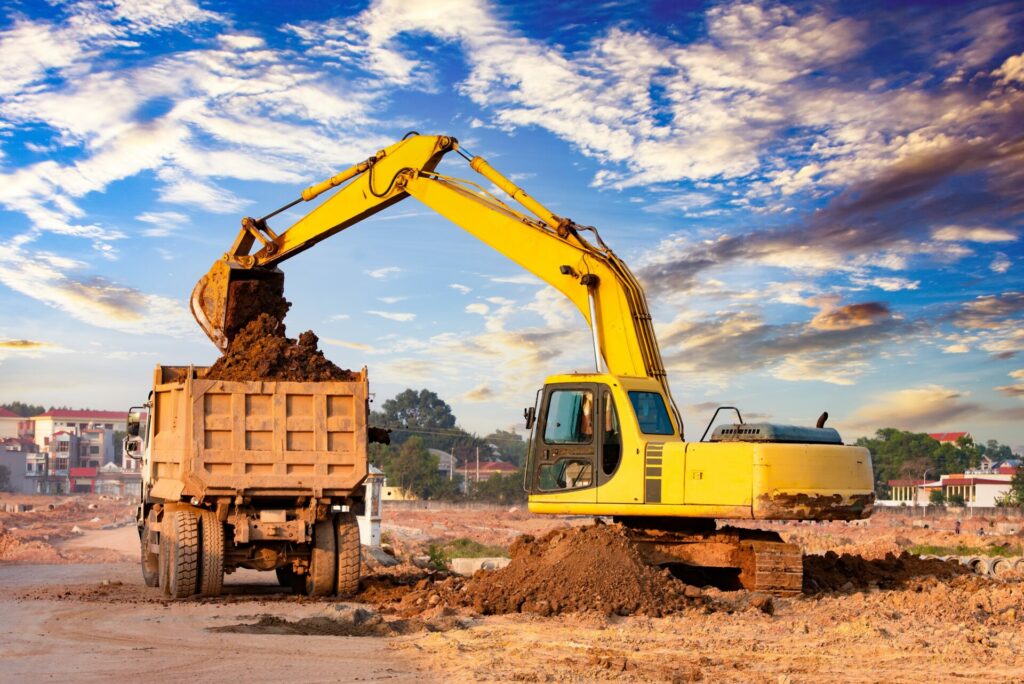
(76, 414)
(947, 437)
(7, 413)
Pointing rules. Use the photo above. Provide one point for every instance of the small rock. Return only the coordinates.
(847, 587)
(692, 592)
(76, 530)
(763, 602)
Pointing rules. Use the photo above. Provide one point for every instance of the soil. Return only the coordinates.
(833, 572)
(249, 298)
(262, 351)
(593, 568)
(871, 618)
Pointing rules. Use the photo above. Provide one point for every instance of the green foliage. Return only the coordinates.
(503, 489)
(956, 500)
(441, 553)
(413, 468)
(510, 446)
(24, 410)
(422, 409)
(1015, 497)
(1006, 551)
(897, 454)
(937, 497)
(5, 479)
(423, 414)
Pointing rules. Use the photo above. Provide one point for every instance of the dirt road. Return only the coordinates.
(85, 616)
(75, 622)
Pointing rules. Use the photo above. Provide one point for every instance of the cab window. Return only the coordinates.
(570, 417)
(651, 413)
(611, 444)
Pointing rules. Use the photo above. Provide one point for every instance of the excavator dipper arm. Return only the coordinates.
(553, 248)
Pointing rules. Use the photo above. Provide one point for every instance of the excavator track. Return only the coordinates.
(756, 560)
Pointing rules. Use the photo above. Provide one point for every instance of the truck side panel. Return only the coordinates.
(258, 438)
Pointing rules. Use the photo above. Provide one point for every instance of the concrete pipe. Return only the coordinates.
(1000, 566)
(1018, 564)
(977, 565)
(930, 557)
(948, 559)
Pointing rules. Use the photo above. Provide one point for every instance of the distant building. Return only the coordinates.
(948, 437)
(978, 487)
(9, 423)
(46, 425)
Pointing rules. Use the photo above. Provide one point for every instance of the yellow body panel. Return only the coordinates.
(727, 480)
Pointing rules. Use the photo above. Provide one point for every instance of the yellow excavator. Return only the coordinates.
(604, 443)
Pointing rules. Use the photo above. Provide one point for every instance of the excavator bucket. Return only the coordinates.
(229, 296)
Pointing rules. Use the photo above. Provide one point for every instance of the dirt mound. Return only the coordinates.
(833, 572)
(261, 351)
(584, 569)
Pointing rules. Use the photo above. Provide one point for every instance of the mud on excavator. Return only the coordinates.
(605, 443)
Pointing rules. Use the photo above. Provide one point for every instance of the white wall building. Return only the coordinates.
(75, 422)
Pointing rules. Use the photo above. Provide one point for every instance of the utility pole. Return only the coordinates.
(478, 465)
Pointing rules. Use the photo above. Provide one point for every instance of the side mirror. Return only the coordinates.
(530, 414)
(132, 447)
(134, 423)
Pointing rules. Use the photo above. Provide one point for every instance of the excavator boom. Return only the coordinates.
(551, 247)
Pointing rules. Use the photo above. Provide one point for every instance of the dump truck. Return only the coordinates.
(607, 441)
(262, 475)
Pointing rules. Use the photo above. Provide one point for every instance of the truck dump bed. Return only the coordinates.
(259, 438)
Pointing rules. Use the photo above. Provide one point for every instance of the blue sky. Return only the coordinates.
(823, 200)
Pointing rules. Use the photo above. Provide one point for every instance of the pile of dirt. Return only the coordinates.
(576, 570)
(342, 620)
(833, 572)
(262, 351)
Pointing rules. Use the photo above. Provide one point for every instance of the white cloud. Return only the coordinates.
(384, 272)
(522, 279)
(478, 308)
(1000, 263)
(52, 280)
(974, 234)
(930, 407)
(461, 289)
(394, 316)
(358, 346)
(889, 284)
(391, 300)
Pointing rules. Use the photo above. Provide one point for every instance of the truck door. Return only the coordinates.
(566, 443)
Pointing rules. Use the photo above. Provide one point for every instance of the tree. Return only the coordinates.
(937, 497)
(22, 409)
(956, 500)
(1015, 497)
(422, 409)
(503, 489)
(413, 468)
(510, 445)
(5, 479)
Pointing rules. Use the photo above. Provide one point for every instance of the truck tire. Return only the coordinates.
(349, 559)
(183, 556)
(150, 560)
(211, 571)
(323, 560)
(164, 557)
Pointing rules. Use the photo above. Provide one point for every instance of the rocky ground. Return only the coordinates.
(893, 619)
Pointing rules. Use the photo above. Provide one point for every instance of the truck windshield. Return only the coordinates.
(651, 413)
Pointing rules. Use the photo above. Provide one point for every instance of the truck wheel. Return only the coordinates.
(164, 558)
(211, 574)
(150, 560)
(348, 553)
(183, 556)
(323, 560)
